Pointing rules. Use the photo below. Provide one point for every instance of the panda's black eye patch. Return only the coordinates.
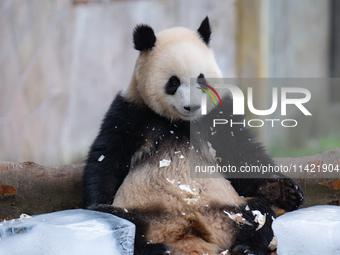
(172, 85)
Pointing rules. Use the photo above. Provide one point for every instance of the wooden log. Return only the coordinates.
(321, 186)
(34, 189)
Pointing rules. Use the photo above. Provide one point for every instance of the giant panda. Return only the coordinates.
(149, 122)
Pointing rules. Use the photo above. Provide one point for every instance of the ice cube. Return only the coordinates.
(164, 162)
(69, 232)
(309, 231)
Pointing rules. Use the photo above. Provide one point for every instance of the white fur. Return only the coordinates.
(178, 52)
(170, 187)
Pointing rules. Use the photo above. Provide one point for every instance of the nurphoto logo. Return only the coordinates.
(202, 84)
(294, 96)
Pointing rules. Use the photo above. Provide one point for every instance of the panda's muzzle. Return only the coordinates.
(193, 108)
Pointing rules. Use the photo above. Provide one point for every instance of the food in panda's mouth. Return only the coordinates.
(138, 167)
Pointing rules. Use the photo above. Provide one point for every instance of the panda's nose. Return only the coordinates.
(192, 108)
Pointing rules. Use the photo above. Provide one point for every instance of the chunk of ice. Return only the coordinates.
(309, 231)
(70, 232)
(101, 158)
(164, 162)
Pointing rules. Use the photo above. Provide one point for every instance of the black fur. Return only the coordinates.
(238, 147)
(250, 240)
(205, 30)
(144, 38)
(122, 133)
(172, 85)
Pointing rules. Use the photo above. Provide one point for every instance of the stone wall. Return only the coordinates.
(62, 63)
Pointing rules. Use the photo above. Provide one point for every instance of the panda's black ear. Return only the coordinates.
(143, 37)
(205, 30)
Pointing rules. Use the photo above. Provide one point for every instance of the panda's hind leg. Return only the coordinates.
(142, 247)
(256, 234)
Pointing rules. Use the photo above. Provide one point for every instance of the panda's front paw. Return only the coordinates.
(284, 193)
(292, 195)
(154, 249)
(242, 249)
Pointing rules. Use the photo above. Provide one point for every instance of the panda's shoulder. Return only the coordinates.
(124, 114)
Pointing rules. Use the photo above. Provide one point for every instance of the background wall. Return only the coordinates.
(293, 39)
(63, 61)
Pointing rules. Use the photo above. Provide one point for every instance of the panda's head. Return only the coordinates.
(167, 62)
